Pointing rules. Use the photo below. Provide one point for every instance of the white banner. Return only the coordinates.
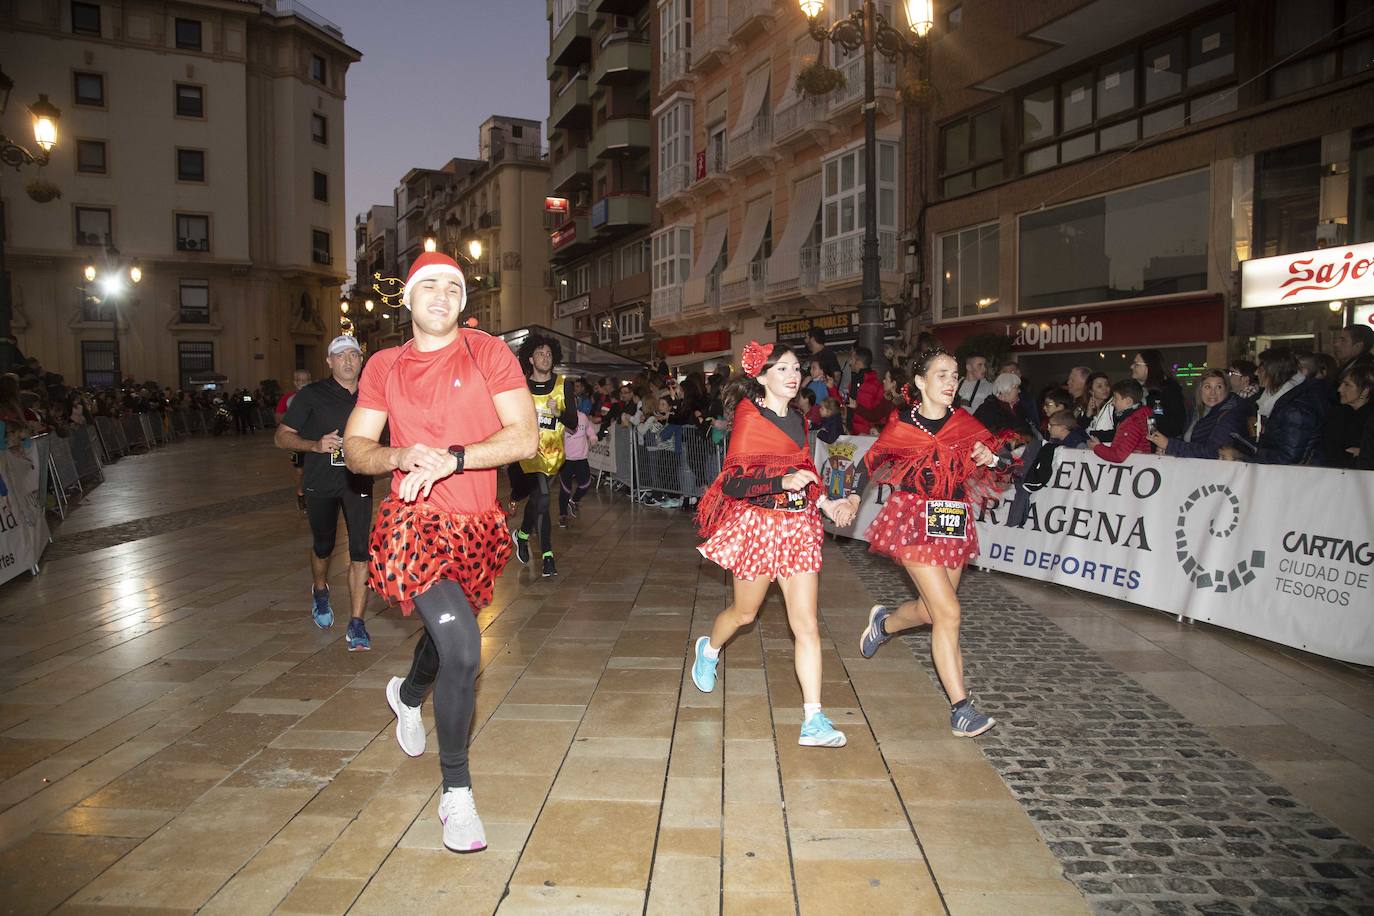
(1283, 553)
(23, 523)
(601, 454)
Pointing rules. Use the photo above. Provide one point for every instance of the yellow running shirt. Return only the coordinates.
(547, 409)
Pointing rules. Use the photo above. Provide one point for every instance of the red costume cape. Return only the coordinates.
(754, 443)
(903, 453)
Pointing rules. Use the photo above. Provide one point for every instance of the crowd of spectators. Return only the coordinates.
(34, 401)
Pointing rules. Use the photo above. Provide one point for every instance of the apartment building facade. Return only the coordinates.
(203, 141)
(760, 187)
(600, 208)
(1104, 176)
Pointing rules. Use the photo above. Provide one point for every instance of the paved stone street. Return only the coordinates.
(176, 736)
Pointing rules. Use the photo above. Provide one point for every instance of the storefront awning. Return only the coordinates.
(579, 356)
(755, 92)
(713, 240)
(784, 266)
(756, 219)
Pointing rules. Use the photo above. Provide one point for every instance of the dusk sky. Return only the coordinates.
(432, 71)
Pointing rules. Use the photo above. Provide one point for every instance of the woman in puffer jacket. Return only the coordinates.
(1220, 419)
(1292, 412)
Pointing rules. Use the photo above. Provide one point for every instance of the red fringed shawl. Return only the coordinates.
(754, 443)
(904, 453)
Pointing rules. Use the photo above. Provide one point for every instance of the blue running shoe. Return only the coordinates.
(967, 722)
(818, 731)
(357, 637)
(873, 635)
(321, 611)
(703, 668)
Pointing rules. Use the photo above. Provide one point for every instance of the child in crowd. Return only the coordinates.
(806, 403)
(1064, 429)
(830, 427)
(1131, 423)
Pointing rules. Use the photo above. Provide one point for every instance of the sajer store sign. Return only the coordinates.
(1310, 276)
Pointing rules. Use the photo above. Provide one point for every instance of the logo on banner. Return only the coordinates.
(1219, 581)
(837, 477)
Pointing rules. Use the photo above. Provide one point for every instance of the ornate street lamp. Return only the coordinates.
(865, 29)
(112, 275)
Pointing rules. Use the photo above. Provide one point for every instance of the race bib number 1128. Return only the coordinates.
(946, 519)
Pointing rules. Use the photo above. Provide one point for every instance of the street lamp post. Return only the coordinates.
(868, 30)
(111, 277)
(45, 116)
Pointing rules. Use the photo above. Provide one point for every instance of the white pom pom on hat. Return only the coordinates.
(432, 264)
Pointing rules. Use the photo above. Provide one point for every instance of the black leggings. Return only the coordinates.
(574, 480)
(537, 509)
(323, 514)
(447, 658)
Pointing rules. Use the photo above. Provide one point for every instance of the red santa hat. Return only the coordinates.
(430, 265)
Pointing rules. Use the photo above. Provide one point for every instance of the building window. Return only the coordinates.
(1287, 199)
(635, 258)
(85, 18)
(675, 149)
(188, 34)
(90, 157)
(631, 325)
(322, 187)
(193, 232)
(319, 128)
(675, 38)
(88, 89)
(97, 363)
(1362, 186)
(604, 265)
(1149, 240)
(191, 165)
(969, 263)
(94, 226)
(1137, 93)
(194, 357)
(319, 247)
(954, 19)
(190, 101)
(317, 68)
(672, 254)
(971, 152)
(194, 302)
(1326, 39)
(842, 212)
(582, 279)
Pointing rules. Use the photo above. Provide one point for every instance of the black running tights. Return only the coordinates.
(574, 480)
(447, 658)
(537, 510)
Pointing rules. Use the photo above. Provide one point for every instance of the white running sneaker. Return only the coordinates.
(410, 728)
(462, 827)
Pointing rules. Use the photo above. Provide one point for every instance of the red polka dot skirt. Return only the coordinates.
(751, 541)
(899, 532)
(414, 545)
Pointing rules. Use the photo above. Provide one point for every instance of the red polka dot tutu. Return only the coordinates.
(752, 541)
(899, 532)
(414, 545)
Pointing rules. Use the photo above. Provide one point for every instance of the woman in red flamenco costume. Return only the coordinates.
(761, 521)
(934, 459)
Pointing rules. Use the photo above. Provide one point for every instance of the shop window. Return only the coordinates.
(88, 89)
(1148, 240)
(968, 272)
(971, 152)
(1362, 186)
(1287, 199)
(193, 232)
(1319, 41)
(94, 226)
(1136, 93)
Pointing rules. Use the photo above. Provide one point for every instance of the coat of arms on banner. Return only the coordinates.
(837, 476)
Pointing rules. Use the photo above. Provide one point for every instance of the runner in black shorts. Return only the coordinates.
(314, 425)
(300, 378)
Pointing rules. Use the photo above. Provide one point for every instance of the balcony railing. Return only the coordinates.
(674, 180)
(710, 42)
(751, 289)
(666, 304)
(809, 279)
(884, 78)
(193, 316)
(795, 116)
(716, 165)
(301, 11)
(674, 65)
(755, 141)
(842, 258)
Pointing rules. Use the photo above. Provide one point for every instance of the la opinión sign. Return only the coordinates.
(1311, 276)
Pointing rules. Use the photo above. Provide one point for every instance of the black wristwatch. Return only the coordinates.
(457, 452)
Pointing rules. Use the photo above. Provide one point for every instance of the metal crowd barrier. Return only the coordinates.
(680, 460)
(86, 454)
(112, 440)
(62, 473)
(180, 422)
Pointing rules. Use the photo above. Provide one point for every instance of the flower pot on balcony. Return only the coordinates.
(818, 79)
(42, 191)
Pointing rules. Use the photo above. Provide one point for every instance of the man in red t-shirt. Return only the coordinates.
(300, 378)
(457, 406)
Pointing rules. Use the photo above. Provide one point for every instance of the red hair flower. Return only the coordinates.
(754, 357)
